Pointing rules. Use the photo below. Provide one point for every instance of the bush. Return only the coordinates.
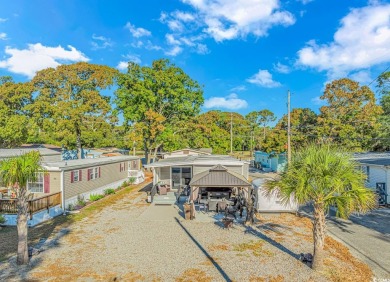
(70, 207)
(80, 201)
(124, 184)
(109, 191)
(132, 180)
(95, 197)
(2, 219)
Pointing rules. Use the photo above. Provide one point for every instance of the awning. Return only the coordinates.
(219, 176)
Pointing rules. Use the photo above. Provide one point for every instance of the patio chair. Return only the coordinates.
(212, 205)
(162, 190)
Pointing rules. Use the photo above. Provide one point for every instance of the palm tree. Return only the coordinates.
(16, 172)
(323, 176)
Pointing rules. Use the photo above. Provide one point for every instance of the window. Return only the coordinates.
(93, 173)
(75, 176)
(122, 167)
(133, 165)
(37, 185)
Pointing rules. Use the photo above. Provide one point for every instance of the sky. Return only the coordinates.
(246, 53)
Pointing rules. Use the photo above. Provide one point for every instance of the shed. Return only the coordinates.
(273, 203)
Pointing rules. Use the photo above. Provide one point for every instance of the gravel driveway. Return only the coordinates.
(134, 241)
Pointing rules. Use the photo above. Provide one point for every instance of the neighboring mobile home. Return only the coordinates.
(377, 168)
(186, 152)
(65, 181)
(271, 161)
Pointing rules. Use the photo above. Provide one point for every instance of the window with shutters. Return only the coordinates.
(93, 173)
(76, 176)
(133, 165)
(122, 167)
(38, 185)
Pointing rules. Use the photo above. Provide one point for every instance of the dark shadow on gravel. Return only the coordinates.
(376, 220)
(147, 188)
(251, 230)
(20, 273)
(216, 265)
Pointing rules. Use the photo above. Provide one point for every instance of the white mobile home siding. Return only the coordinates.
(110, 177)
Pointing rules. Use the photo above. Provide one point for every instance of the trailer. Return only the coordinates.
(272, 203)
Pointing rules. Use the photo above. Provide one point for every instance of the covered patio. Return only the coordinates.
(218, 190)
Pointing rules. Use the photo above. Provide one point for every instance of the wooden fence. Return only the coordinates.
(9, 206)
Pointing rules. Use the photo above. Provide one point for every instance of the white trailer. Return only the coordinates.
(272, 203)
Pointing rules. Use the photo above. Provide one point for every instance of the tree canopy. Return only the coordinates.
(69, 104)
(157, 98)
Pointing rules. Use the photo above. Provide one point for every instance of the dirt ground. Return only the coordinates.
(109, 241)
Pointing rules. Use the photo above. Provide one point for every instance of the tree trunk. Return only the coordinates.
(250, 215)
(78, 142)
(22, 227)
(155, 152)
(318, 235)
(146, 150)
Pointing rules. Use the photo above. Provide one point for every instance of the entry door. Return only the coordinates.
(181, 176)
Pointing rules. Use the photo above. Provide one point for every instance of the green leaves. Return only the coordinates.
(19, 170)
(155, 98)
(322, 174)
(69, 105)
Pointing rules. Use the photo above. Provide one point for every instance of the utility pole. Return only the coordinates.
(231, 133)
(288, 128)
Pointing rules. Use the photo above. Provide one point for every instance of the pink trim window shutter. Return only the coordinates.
(71, 176)
(46, 182)
(80, 175)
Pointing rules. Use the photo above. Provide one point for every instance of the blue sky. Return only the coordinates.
(246, 53)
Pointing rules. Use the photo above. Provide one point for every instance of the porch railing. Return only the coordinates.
(9, 206)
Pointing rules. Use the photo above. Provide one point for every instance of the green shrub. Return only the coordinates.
(124, 184)
(80, 201)
(132, 180)
(70, 207)
(95, 197)
(2, 219)
(109, 191)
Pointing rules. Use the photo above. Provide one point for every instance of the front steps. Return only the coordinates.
(168, 199)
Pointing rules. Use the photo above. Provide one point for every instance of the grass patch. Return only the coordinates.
(95, 197)
(342, 266)
(9, 236)
(277, 278)
(194, 275)
(220, 247)
(255, 247)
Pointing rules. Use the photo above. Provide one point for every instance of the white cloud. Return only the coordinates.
(238, 88)
(171, 39)
(230, 19)
(231, 102)
(3, 20)
(174, 51)
(263, 78)
(3, 36)
(363, 76)
(122, 65)
(137, 31)
(362, 41)
(101, 42)
(318, 101)
(304, 2)
(37, 57)
(279, 67)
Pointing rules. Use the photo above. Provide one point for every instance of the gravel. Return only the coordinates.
(133, 241)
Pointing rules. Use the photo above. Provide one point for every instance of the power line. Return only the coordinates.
(379, 75)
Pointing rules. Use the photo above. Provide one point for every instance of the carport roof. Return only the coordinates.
(219, 176)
